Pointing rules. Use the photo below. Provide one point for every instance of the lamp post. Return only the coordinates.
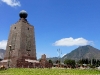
(9, 56)
(59, 52)
(28, 52)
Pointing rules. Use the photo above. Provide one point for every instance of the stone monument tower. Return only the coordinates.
(21, 41)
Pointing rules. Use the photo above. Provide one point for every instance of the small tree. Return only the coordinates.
(50, 61)
(57, 62)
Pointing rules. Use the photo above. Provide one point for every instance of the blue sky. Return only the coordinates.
(64, 24)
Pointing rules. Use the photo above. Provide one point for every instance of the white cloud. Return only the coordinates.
(3, 44)
(72, 42)
(12, 3)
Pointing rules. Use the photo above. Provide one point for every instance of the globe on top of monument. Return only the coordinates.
(23, 14)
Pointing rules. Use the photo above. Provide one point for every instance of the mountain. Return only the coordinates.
(2, 51)
(77, 54)
(83, 52)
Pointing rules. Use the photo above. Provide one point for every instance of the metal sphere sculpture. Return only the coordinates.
(23, 14)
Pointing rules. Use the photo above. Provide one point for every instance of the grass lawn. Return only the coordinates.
(28, 71)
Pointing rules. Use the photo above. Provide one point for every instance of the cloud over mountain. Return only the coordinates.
(72, 42)
(12, 3)
(3, 44)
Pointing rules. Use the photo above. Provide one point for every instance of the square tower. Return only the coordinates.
(21, 41)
